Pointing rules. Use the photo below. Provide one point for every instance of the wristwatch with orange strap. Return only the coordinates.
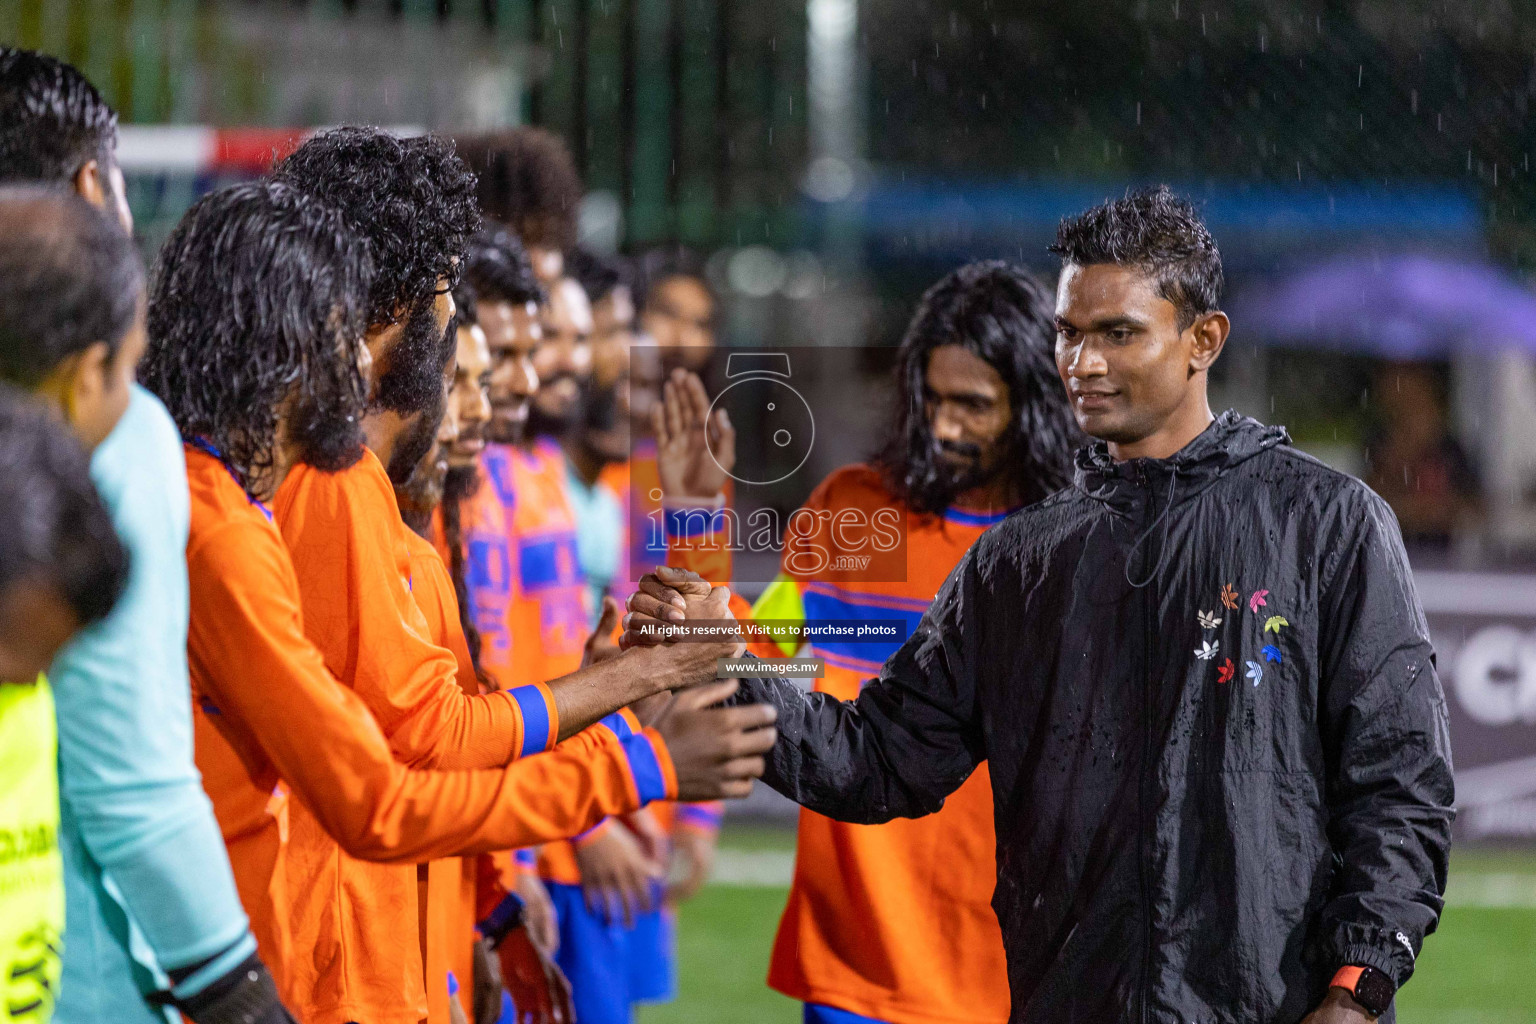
(1372, 989)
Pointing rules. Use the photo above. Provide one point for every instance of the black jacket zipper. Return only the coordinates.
(1148, 763)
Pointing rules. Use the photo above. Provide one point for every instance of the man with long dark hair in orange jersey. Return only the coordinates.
(893, 922)
(411, 202)
(453, 888)
(255, 327)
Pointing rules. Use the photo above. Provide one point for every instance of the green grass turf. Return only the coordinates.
(1479, 968)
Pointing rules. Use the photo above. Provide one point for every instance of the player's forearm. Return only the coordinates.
(424, 815)
(163, 850)
(591, 694)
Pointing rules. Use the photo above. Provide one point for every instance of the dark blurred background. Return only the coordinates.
(1365, 165)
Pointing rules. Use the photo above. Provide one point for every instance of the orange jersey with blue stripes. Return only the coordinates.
(889, 921)
(637, 484)
(529, 599)
(446, 886)
(360, 918)
(265, 703)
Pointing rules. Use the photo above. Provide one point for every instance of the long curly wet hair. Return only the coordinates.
(257, 296)
(527, 181)
(1000, 313)
(411, 199)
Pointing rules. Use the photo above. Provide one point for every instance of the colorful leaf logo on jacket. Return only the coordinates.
(1255, 672)
(1272, 653)
(1208, 650)
(1229, 598)
(1225, 673)
(1257, 601)
(1273, 624)
(1209, 620)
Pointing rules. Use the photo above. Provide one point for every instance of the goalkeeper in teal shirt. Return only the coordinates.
(147, 882)
(153, 923)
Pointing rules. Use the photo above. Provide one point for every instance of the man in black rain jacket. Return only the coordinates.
(1200, 676)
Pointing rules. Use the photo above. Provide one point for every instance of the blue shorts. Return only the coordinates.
(816, 1013)
(612, 967)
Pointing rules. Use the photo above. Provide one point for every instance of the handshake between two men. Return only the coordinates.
(716, 751)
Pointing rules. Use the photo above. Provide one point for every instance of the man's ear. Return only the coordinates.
(1210, 336)
(78, 381)
(92, 376)
(89, 183)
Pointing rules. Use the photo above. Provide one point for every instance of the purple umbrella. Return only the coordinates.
(1399, 307)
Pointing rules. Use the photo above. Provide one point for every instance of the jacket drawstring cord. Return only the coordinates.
(1167, 527)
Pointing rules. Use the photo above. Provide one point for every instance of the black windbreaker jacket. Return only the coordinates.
(1219, 751)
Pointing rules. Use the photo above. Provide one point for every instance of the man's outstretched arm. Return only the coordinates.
(1385, 737)
(910, 738)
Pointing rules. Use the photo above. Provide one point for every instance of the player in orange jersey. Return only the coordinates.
(893, 922)
(260, 378)
(411, 202)
(477, 544)
(450, 886)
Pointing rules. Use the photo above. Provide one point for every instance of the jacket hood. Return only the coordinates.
(1230, 440)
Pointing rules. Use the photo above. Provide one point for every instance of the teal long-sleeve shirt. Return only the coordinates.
(148, 886)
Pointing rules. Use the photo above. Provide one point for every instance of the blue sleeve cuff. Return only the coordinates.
(538, 723)
(646, 769)
(618, 725)
(690, 523)
(703, 816)
(525, 858)
(507, 915)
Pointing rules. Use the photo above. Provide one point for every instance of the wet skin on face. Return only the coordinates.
(1133, 375)
(679, 317)
(469, 405)
(968, 411)
(566, 354)
(513, 333)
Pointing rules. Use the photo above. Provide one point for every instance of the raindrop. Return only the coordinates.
(1138, 112)
(1360, 77)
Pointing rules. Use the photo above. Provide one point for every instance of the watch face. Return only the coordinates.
(1374, 991)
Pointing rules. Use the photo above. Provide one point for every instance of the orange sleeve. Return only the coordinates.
(263, 677)
(345, 536)
(699, 538)
(432, 590)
